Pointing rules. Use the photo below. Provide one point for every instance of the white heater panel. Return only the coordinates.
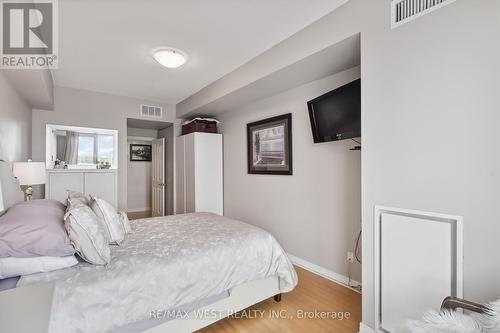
(418, 264)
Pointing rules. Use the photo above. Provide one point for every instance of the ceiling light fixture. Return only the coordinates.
(169, 57)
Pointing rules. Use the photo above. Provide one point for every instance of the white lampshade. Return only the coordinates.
(30, 173)
(169, 57)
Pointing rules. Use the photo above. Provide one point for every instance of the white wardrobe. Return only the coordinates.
(199, 175)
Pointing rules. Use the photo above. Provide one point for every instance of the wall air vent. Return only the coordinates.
(404, 11)
(151, 111)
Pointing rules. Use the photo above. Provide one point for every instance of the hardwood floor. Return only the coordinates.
(138, 215)
(312, 293)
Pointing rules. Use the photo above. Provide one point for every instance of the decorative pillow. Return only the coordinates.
(87, 236)
(110, 219)
(125, 222)
(34, 228)
(10, 267)
(71, 203)
(76, 198)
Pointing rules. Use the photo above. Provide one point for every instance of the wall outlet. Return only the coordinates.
(350, 257)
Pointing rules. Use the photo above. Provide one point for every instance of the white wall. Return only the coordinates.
(92, 109)
(139, 183)
(316, 213)
(15, 124)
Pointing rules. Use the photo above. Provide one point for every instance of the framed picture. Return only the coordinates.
(140, 153)
(270, 146)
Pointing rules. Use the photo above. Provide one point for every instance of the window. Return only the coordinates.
(105, 149)
(95, 149)
(86, 149)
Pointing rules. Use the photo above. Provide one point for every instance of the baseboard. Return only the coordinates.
(324, 272)
(365, 329)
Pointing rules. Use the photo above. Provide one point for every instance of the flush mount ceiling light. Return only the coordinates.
(169, 57)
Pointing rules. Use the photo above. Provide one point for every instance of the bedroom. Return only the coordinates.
(428, 98)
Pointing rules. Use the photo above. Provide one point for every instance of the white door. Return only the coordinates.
(158, 177)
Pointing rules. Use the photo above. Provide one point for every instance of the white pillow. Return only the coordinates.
(73, 202)
(12, 266)
(87, 235)
(110, 219)
(125, 222)
(75, 197)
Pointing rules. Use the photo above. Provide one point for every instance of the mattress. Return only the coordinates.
(142, 325)
(165, 263)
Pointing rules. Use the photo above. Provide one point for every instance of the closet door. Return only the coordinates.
(189, 172)
(180, 197)
(208, 173)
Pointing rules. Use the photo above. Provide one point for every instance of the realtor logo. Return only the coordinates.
(29, 34)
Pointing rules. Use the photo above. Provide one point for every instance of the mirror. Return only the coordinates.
(81, 148)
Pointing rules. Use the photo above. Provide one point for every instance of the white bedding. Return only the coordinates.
(164, 263)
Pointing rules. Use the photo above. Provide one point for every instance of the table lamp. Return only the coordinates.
(30, 173)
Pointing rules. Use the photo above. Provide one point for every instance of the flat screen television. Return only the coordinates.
(336, 115)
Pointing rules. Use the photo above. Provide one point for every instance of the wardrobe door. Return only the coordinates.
(208, 169)
(180, 183)
(189, 172)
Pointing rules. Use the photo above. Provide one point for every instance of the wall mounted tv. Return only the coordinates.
(337, 115)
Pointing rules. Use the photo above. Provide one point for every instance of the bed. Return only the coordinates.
(172, 274)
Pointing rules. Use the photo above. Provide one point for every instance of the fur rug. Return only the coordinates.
(457, 322)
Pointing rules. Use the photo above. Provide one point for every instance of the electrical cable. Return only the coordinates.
(357, 255)
(357, 249)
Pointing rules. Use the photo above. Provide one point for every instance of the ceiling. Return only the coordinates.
(331, 60)
(105, 45)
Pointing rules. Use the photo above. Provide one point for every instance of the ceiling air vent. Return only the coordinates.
(151, 111)
(404, 11)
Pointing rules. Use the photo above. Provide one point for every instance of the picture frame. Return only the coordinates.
(141, 153)
(269, 146)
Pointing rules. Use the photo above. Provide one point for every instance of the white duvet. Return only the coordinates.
(164, 263)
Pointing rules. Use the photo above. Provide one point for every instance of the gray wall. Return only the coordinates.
(35, 86)
(76, 107)
(430, 98)
(139, 183)
(139, 173)
(15, 124)
(430, 129)
(142, 132)
(316, 213)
